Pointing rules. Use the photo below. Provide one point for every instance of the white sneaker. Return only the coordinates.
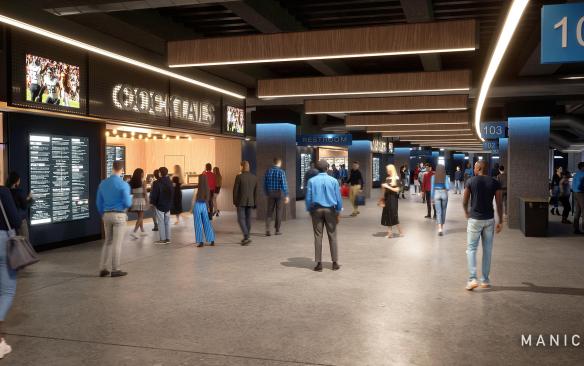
(4, 349)
(471, 285)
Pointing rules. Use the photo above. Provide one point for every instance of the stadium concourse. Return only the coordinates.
(395, 301)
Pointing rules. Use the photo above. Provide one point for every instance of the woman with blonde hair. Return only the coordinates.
(391, 189)
(177, 172)
(218, 184)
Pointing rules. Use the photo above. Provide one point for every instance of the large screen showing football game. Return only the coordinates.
(51, 82)
(235, 120)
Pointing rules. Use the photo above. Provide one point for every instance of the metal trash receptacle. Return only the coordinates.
(533, 215)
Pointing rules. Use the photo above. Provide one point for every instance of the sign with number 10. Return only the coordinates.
(562, 37)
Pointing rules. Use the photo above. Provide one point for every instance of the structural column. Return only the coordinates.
(276, 140)
(360, 151)
(528, 156)
(401, 156)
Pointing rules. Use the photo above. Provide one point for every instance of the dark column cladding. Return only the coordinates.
(528, 154)
(360, 151)
(276, 140)
(65, 228)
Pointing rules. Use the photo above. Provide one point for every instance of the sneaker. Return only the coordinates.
(160, 242)
(167, 241)
(212, 244)
(200, 245)
(104, 273)
(354, 214)
(336, 266)
(119, 273)
(278, 233)
(441, 233)
(155, 229)
(485, 285)
(318, 267)
(427, 216)
(246, 242)
(268, 233)
(4, 349)
(134, 236)
(471, 285)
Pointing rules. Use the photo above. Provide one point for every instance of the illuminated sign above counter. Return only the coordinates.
(139, 100)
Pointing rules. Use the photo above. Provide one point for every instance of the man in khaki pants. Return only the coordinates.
(356, 182)
(113, 199)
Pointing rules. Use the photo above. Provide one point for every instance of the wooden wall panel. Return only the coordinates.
(224, 153)
(413, 119)
(227, 158)
(447, 82)
(345, 42)
(385, 104)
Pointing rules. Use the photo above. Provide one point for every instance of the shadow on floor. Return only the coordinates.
(299, 262)
(381, 234)
(530, 287)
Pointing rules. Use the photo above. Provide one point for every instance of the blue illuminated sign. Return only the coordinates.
(492, 146)
(562, 37)
(493, 130)
(325, 140)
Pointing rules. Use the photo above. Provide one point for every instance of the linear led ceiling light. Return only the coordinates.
(70, 41)
(406, 124)
(392, 110)
(511, 22)
(411, 91)
(309, 58)
(452, 132)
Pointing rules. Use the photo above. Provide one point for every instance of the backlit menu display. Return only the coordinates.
(376, 176)
(305, 160)
(59, 178)
(114, 153)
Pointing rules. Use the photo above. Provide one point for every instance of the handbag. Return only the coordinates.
(360, 199)
(19, 251)
(345, 190)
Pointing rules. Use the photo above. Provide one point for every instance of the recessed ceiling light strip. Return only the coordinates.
(414, 91)
(391, 110)
(511, 22)
(331, 57)
(70, 41)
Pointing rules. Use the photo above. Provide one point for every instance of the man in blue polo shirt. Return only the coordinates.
(324, 202)
(113, 199)
(578, 189)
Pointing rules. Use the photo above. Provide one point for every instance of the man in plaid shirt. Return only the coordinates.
(276, 189)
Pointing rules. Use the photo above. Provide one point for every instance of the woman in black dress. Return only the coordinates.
(391, 189)
(176, 207)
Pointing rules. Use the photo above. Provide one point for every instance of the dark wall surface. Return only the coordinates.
(18, 127)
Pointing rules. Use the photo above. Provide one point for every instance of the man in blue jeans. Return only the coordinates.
(480, 190)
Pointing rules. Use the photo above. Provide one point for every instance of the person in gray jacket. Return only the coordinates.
(244, 198)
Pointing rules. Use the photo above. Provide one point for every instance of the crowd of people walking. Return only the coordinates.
(323, 202)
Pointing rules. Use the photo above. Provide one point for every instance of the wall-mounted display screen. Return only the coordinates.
(376, 173)
(305, 160)
(52, 82)
(114, 153)
(59, 178)
(235, 121)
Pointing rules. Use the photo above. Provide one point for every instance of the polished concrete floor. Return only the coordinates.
(394, 302)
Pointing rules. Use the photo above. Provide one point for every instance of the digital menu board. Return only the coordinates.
(376, 173)
(59, 178)
(114, 153)
(305, 160)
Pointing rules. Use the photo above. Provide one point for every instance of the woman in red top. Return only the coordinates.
(427, 190)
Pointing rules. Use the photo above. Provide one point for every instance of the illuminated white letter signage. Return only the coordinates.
(144, 101)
